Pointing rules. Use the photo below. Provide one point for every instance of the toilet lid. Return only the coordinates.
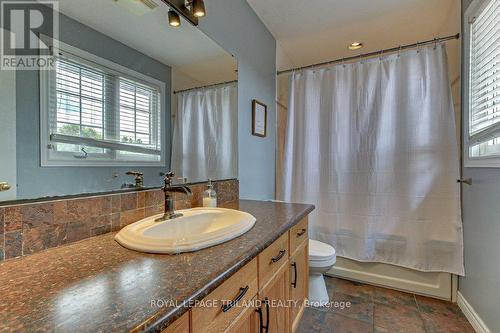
(319, 251)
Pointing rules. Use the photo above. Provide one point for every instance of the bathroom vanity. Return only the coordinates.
(96, 285)
(274, 285)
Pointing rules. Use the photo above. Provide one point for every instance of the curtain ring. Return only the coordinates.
(399, 51)
(435, 43)
(342, 62)
(418, 47)
(380, 54)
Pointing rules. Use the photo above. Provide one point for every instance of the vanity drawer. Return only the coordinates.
(272, 258)
(298, 234)
(242, 285)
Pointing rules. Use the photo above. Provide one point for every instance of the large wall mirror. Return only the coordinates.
(127, 92)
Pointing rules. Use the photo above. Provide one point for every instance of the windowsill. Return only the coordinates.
(80, 163)
(491, 162)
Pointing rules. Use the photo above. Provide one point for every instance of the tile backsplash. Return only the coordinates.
(29, 228)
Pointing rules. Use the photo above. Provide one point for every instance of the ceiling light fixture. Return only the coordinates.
(173, 18)
(355, 46)
(198, 8)
(191, 10)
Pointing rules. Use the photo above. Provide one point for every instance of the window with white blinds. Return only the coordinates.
(95, 112)
(484, 81)
(136, 113)
(79, 111)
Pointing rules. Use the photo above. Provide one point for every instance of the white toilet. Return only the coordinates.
(322, 257)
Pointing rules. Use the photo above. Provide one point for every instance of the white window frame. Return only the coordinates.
(474, 9)
(46, 75)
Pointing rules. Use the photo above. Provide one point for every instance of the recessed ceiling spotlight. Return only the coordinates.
(173, 18)
(355, 46)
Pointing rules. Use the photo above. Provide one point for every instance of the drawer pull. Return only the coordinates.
(294, 283)
(268, 315)
(227, 307)
(301, 233)
(279, 256)
(261, 324)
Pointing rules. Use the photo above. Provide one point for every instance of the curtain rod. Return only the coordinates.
(207, 86)
(371, 54)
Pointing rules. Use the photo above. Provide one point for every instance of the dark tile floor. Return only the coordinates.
(379, 310)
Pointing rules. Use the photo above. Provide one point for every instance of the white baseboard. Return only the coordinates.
(471, 315)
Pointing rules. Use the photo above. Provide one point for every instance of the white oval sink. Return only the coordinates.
(197, 229)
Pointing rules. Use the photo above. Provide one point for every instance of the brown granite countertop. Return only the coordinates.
(96, 285)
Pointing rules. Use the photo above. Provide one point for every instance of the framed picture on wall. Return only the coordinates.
(259, 118)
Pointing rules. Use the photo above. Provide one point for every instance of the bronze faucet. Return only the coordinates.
(168, 189)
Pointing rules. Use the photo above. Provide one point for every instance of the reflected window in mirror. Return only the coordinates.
(95, 112)
(107, 107)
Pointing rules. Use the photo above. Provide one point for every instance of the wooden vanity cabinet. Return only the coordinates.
(288, 288)
(276, 280)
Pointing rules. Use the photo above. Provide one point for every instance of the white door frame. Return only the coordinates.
(8, 165)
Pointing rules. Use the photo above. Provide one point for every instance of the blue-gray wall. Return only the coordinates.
(235, 26)
(481, 218)
(34, 181)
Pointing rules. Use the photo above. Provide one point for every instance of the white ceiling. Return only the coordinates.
(186, 49)
(318, 30)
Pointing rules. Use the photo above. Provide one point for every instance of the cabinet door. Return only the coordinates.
(299, 283)
(247, 322)
(274, 298)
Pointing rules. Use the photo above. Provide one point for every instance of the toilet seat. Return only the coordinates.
(321, 254)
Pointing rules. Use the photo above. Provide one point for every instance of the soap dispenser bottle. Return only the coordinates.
(210, 196)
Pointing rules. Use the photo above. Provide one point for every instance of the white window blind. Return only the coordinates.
(79, 103)
(484, 83)
(100, 114)
(137, 116)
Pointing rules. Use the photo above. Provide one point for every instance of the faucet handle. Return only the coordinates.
(135, 173)
(139, 177)
(168, 177)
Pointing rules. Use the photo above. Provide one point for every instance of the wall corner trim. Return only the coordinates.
(471, 315)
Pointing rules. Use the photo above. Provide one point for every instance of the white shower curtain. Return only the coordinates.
(205, 141)
(373, 145)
